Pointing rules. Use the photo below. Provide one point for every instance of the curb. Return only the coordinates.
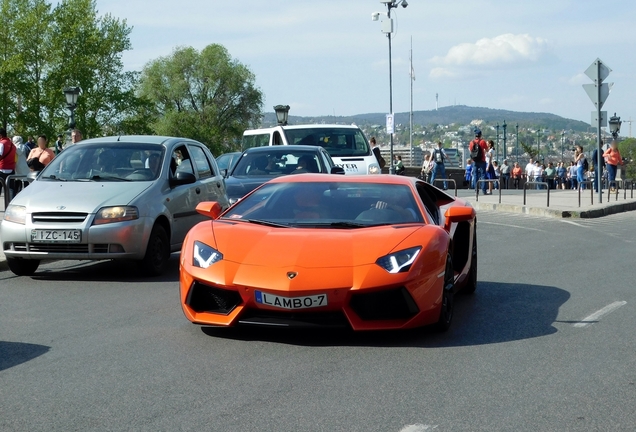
(556, 213)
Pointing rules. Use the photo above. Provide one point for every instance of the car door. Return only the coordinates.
(181, 201)
(209, 177)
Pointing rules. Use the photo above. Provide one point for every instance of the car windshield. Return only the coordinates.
(277, 161)
(328, 205)
(337, 141)
(106, 162)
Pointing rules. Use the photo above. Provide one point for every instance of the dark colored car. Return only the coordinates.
(258, 165)
(226, 161)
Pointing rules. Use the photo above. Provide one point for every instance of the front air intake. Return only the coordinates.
(206, 298)
(395, 304)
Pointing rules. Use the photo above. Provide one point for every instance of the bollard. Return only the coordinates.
(485, 181)
(589, 183)
(447, 180)
(536, 183)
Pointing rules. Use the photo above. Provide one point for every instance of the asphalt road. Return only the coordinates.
(93, 347)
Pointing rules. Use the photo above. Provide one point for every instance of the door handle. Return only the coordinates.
(218, 184)
(198, 190)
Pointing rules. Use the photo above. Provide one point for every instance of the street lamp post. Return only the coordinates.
(517, 146)
(562, 144)
(282, 114)
(504, 139)
(538, 146)
(615, 126)
(71, 94)
(387, 28)
(497, 153)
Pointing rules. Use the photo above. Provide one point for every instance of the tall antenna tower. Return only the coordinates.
(436, 101)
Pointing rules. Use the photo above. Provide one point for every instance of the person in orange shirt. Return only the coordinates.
(613, 158)
(40, 156)
(517, 172)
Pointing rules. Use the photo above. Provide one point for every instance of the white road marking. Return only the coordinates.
(418, 428)
(591, 319)
(509, 225)
(572, 223)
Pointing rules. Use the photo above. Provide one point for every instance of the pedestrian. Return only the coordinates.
(529, 171)
(59, 145)
(497, 169)
(595, 162)
(614, 159)
(537, 174)
(490, 168)
(76, 136)
(579, 159)
(517, 173)
(468, 174)
(7, 156)
(30, 144)
(399, 166)
(572, 176)
(374, 148)
(478, 148)
(550, 175)
(561, 173)
(21, 167)
(40, 156)
(438, 157)
(427, 166)
(505, 174)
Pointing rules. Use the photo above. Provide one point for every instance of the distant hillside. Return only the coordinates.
(459, 114)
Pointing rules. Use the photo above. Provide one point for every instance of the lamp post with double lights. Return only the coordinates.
(71, 94)
(504, 126)
(615, 126)
(387, 27)
(562, 145)
(282, 114)
(517, 146)
(497, 155)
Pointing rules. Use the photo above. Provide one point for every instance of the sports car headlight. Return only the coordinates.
(204, 256)
(15, 213)
(374, 169)
(115, 214)
(399, 262)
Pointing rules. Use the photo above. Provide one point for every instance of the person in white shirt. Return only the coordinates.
(529, 171)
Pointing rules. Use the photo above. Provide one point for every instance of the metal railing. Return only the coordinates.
(536, 183)
(623, 185)
(589, 183)
(15, 184)
(447, 180)
(3, 188)
(477, 183)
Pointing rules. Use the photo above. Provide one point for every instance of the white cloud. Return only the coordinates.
(579, 79)
(490, 53)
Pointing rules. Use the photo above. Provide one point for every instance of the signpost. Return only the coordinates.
(598, 93)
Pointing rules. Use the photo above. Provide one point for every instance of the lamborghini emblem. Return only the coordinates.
(291, 275)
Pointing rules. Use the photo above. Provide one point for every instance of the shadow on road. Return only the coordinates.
(104, 271)
(496, 313)
(15, 353)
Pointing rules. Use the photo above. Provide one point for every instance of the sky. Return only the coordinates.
(327, 57)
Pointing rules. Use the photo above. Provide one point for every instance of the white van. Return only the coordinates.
(347, 145)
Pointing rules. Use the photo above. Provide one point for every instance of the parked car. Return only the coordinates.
(226, 161)
(127, 197)
(258, 165)
(365, 252)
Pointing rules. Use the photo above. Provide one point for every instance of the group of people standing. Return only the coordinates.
(20, 158)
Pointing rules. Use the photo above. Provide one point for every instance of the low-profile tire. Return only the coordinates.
(23, 267)
(448, 298)
(157, 252)
(471, 284)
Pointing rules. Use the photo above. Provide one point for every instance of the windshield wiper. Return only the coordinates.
(52, 177)
(96, 178)
(266, 223)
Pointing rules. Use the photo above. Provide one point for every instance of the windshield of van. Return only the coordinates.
(339, 142)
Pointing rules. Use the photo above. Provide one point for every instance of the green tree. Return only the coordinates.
(531, 150)
(627, 147)
(204, 95)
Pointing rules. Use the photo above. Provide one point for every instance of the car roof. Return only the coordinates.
(146, 139)
(283, 148)
(320, 126)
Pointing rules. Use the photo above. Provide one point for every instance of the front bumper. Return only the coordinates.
(119, 240)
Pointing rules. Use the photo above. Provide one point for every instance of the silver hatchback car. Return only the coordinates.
(126, 197)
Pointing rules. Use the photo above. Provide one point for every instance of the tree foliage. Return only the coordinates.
(204, 95)
(45, 49)
(627, 147)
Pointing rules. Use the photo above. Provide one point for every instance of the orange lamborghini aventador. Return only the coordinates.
(369, 252)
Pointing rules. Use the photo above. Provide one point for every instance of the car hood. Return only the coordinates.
(83, 197)
(257, 245)
(238, 187)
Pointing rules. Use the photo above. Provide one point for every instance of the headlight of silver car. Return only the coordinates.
(107, 215)
(204, 256)
(399, 262)
(15, 213)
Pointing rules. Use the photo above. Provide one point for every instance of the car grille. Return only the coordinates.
(61, 248)
(205, 298)
(58, 217)
(261, 317)
(392, 304)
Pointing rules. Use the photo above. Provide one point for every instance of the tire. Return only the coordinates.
(23, 267)
(448, 298)
(157, 252)
(471, 285)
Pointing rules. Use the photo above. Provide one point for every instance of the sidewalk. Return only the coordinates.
(563, 204)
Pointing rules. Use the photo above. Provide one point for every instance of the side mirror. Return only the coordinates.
(224, 172)
(182, 178)
(457, 214)
(337, 170)
(211, 209)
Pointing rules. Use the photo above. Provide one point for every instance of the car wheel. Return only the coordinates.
(157, 252)
(448, 298)
(23, 267)
(471, 285)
